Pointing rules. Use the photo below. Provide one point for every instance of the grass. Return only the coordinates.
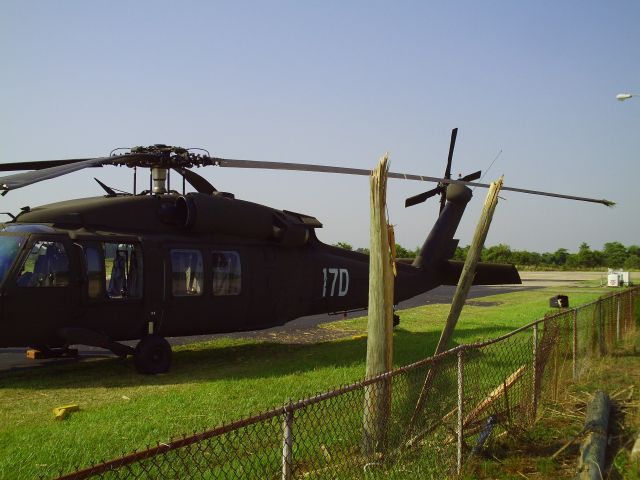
(211, 383)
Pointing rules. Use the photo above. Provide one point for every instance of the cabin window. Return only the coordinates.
(187, 272)
(123, 270)
(47, 265)
(95, 272)
(226, 273)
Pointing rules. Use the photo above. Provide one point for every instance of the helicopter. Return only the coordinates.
(161, 263)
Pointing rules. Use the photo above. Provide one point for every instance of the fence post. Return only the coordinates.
(460, 408)
(574, 350)
(617, 318)
(287, 443)
(631, 318)
(601, 342)
(534, 404)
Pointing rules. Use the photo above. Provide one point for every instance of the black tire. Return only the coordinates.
(152, 355)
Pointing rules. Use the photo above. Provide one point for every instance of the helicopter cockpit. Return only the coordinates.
(10, 245)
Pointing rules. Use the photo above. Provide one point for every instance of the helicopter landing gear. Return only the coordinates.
(152, 355)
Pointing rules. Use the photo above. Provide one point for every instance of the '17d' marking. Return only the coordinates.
(333, 276)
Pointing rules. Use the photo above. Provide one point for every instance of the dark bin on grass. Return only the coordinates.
(559, 301)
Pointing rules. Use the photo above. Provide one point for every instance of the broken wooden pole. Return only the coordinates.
(462, 290)
(594, 446)
(377, 402)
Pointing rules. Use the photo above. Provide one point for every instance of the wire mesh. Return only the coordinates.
(378, 428)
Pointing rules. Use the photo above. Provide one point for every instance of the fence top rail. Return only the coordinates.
(303, 403)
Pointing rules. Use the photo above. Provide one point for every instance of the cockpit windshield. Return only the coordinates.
(9, 248)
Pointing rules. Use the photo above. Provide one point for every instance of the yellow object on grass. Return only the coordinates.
(60, 413)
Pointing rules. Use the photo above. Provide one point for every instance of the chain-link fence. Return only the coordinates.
(426, 419)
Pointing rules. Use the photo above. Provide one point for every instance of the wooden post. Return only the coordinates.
(534, 379)
(574, 350)
(464, 284)
(377, 402)
(601, 344)
(460, 408)
(617, 318)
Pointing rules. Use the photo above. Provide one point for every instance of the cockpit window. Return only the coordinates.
(47, 265)
(9, 247)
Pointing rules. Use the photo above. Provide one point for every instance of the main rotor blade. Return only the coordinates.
(198, 182)
(416, 199)
(16, 166)
(303, 167)
(19, 180)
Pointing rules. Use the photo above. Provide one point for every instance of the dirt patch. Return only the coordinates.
(304, 335)
(474, 303)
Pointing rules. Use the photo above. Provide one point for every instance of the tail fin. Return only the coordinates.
(486, 273)
(440, 244)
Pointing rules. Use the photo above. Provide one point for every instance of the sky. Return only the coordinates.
(341, 83)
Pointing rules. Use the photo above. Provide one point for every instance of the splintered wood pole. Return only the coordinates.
(464, 284)
(377, 402)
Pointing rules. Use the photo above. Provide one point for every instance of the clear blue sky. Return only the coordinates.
(341, 83)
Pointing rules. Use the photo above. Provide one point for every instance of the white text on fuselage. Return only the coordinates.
(335, 282)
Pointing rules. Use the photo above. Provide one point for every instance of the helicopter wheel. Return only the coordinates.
(152, 355)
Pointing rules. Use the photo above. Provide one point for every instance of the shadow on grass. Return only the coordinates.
(234, 359)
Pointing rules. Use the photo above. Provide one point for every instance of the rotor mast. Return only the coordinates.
(159, 180)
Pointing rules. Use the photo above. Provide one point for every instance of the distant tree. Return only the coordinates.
(633, 257)
(632, 262)
(362, 250)
(343, 245)
(461, 253)
(588, 258)
(633, 250)
(500, 253)
(402, 252)
(615, 254)
(560, 256)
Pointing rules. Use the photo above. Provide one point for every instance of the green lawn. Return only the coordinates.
(213, 382)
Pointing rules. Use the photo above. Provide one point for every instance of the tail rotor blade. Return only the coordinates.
(452, 146)
(416, 199)
(472, 176)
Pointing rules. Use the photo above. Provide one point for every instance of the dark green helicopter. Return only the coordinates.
(159, 263)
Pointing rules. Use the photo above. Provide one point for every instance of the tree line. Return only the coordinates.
(612, 255)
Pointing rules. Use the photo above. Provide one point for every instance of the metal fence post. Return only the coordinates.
(534, 404)
(460, 405)
(574, 350)
(287, 443)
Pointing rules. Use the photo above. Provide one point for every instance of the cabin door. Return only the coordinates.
(113, 289)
